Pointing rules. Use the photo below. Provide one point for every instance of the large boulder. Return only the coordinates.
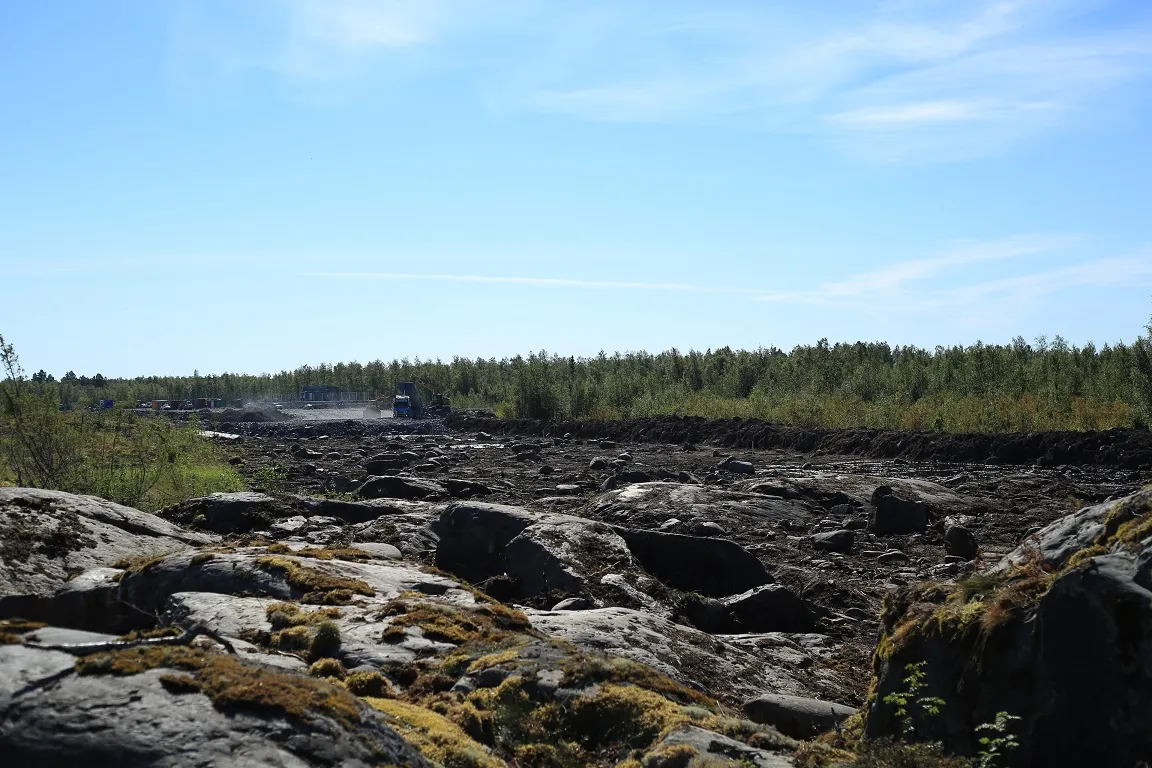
(396, 487)
(770, 608)
(1059, 635)
(224, 713)
(796, 716)
(560, 555)
(710, 566)
(248, 511)
(734, 668)
(49, 537)
(231, 512)
(895, 514)
(829, 489)
(473, 535)
(650, 505)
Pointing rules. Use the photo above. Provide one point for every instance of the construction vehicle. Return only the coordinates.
(407, 404)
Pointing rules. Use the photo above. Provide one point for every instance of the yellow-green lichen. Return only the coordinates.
(437, 737)
(318, 587)
(229, 683)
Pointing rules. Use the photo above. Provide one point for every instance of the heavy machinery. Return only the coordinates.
(407, 404)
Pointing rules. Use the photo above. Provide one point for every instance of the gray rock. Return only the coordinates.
(473, 535)
(796, 716)
(572, 604)
(738, 467)
(395, 487)
(465, 489)
(718, 750)
(892, 514)
(136, 720)
(385, 463)
(710, 529)
(893, 556)
(960, 542)
(46, 537)
(710, 566)
(770, 608)
(1065, 537)
(735, 667)
(559, 555)
(834, 541)
(598, 462)
(230, 512)
(1073, 667)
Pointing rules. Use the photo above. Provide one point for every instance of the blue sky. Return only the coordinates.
(250, 185)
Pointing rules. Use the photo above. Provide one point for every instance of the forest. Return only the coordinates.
(1022, 386)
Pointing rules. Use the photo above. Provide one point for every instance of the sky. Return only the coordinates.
(253, 185)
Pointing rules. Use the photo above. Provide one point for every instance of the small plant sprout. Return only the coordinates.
(999, 741)
(904, 701)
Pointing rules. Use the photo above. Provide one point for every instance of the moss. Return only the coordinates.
(330, 668)
(563, 755)
(583, 669)
(351, 554)
(20, 626)
(180, 684)
(133, 661)
(621, 714)
(452, 624)
(149, 634)
(202, 557)
(368, 683)
(283, 615)
(325, 642)
(674, 756)
(7, 638)
(753, 734)
(437, 737)
(491, 660)
(315, 584)
(140, 563)
(231, 684)
(292, 639)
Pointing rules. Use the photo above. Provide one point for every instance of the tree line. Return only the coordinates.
(1044, 384)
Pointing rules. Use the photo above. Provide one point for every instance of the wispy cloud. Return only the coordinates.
(917, 80)
(555, 282)
(895, 278)
(914, 286)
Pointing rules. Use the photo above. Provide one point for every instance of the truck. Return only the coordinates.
(408, 404)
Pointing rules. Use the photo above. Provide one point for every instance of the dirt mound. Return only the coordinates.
(235, 416)
(1120, 448)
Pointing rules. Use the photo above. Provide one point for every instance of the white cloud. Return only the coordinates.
(915, 80)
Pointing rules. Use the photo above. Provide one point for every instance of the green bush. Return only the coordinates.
(140, 461)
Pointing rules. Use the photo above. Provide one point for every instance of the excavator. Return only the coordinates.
(407, 404)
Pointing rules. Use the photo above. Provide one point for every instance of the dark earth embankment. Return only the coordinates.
(1119, 448)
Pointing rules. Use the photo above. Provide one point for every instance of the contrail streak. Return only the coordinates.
(560, 282)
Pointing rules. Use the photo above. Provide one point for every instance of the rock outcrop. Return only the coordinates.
(1058, 635)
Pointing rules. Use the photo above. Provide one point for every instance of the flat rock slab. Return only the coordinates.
(649, 505)
(732, 671)
(105, 720)
(796, 716)
(47, 537)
